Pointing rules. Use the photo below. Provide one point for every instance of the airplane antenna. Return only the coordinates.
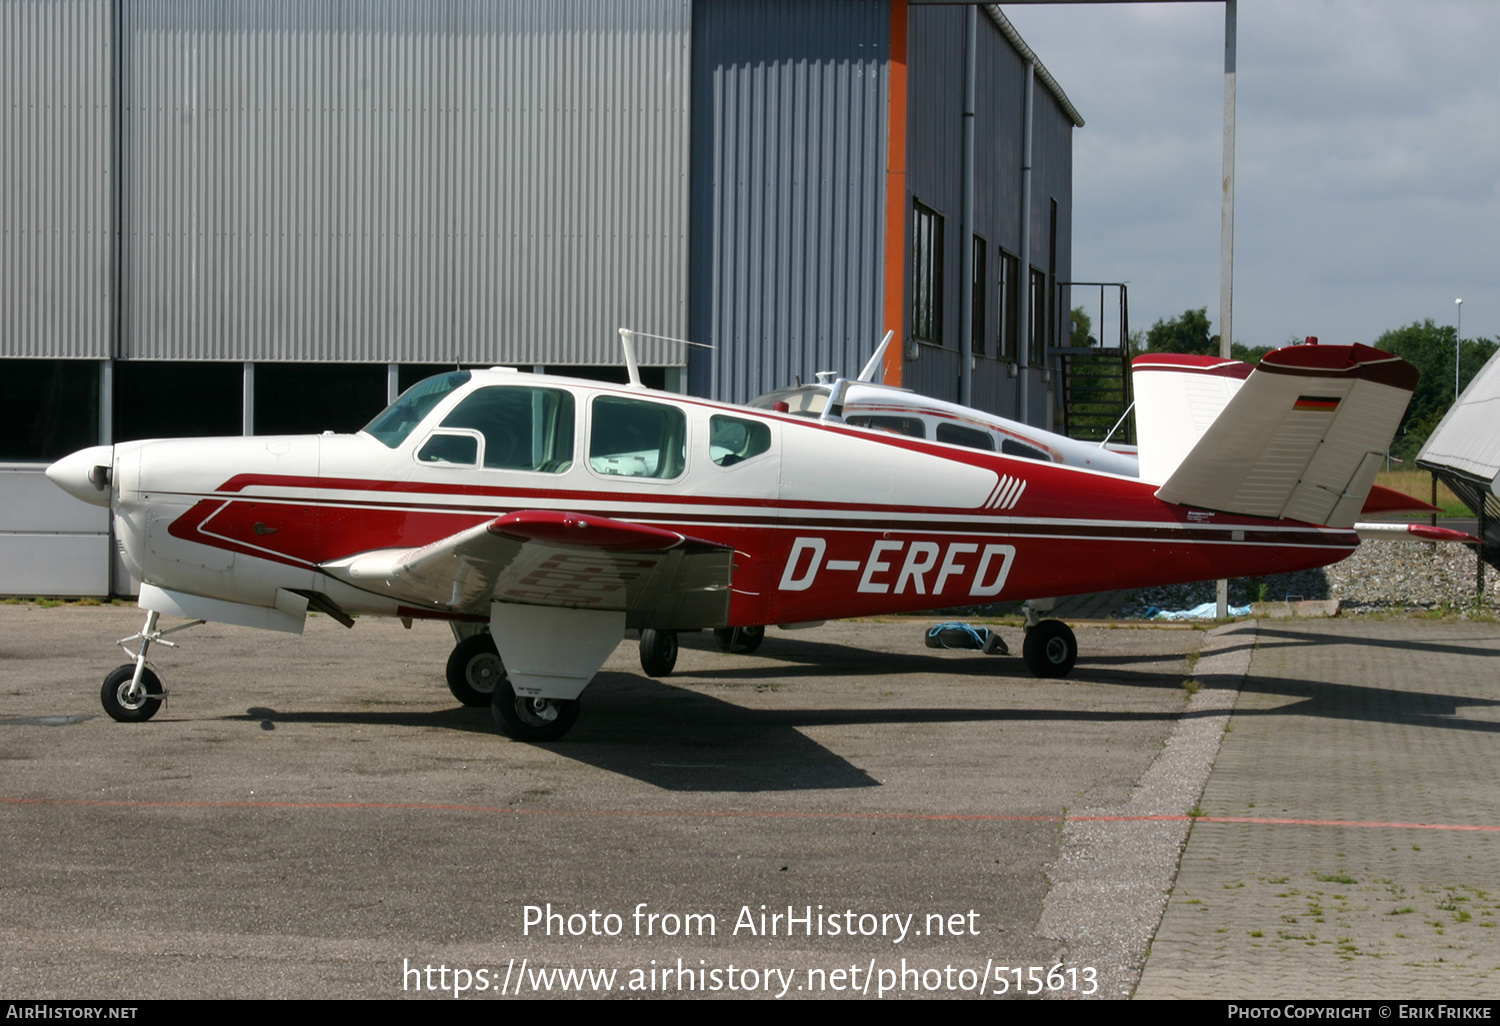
(627, 340)
(1117, 425)
(876, 362)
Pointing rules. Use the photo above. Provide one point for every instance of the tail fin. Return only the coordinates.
(1302, 439)
(1177, 398)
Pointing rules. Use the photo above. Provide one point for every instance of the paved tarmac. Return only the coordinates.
(1350, 839)
(314, 817)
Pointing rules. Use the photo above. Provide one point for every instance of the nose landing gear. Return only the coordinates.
(132, 693)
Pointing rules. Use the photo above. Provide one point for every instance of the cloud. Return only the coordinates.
(1367, 167)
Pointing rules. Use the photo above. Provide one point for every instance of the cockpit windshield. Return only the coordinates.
(402, 416)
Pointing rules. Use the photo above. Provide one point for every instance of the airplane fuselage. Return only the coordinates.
(825, 520)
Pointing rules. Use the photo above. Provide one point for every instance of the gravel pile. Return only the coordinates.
(1381, 577)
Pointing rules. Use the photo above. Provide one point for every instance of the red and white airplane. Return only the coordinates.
(545, 516)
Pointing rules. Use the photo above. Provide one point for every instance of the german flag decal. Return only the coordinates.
(1327, 403)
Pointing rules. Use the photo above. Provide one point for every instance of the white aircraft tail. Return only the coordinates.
(1301, 438)
(1177, 398)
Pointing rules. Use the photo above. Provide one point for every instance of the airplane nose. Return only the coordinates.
(85, 474)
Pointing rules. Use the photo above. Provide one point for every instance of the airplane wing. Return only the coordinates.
(562, 560)
(559, 588)
(1302, 439)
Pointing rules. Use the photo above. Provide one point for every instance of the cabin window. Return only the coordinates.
(400, 418)
(633, 438)
(909, 426)
(458, 449)
(973, 438)
(732, 440)
(523, 428)
(1011, 447)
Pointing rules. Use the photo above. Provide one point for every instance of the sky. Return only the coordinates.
(1367, 193)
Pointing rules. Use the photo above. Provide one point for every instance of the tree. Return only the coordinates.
(1251, 354)
(1083, 325)
(1429, 348)
(1186, 334)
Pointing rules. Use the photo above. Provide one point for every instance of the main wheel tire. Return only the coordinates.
(658, 652)
(117, 701)
(474, 670)
(1050, 649)
(532, 719)
(740, 639)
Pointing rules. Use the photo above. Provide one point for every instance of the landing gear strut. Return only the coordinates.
(132, 693)
(740, 639)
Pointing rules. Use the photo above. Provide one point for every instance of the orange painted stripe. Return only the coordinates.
(895, 198)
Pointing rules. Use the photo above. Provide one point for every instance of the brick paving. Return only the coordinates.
(1363, 755)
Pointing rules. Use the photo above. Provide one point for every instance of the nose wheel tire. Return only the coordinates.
(125, 707)
(474, 670)
(658, 652)
(743, 640)
(532, 719)
(1050, 649)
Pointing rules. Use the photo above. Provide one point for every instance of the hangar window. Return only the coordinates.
(1010, 304)
(523, 428)
(732, 440)
(1038, 313)
(632, 438)
(178, 399)
(979, 295)
(306, 398)
(927, 275)
(48, 408)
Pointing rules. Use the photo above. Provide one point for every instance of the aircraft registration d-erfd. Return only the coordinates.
(544, 516)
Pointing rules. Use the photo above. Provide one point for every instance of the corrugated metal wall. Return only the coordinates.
(789, 137)
(934, 176)
(402, 181)
(55, 178)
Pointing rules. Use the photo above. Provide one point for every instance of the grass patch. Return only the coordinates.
(1340, 878)
(1418, 484)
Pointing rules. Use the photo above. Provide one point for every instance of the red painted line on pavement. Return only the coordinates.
(960, 817)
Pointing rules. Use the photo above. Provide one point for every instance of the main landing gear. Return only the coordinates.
(1050, 649)
(474, 668)
(658, 652)
(132, 693)
(531, 719)
(743, 640)
(659, 646)
(476, 676)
